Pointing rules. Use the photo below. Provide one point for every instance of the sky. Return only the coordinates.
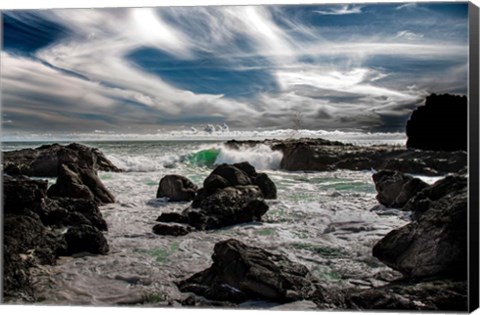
(140, 70)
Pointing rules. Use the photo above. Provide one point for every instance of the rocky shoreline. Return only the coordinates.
(44, 223)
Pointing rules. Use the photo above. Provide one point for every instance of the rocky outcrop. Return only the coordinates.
(22, 194)
(395, 189)
(435, 245)
(176, 188)
(240, 272)
(435, 295)
(83, 183)
(324, 155)
(231, 194)
(43, 161)
(441, 124)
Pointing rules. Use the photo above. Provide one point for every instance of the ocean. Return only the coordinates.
(327, 221)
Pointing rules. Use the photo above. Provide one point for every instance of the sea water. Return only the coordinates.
(327, 221)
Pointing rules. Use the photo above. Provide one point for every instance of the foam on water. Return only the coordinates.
(260, 156)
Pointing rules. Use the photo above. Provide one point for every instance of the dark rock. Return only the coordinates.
(176, 188)
(44, 161)
(436, 295)
(240, 272)
(227, 206)
(214, 182)
(266, 185)
(76, 182)
(26, 243)
(171, 229)
(422, 201)
(22, 193)
(324, 155)
(172, 217)
(433, 245)
(72, 212)
(441, 124)
(85, 238)
(247, 168)
(233, 175)
(395, 189)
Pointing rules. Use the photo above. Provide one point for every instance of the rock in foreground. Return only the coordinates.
(435, 245)
(240, 272)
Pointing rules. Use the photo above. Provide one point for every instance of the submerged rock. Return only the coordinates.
(240, 272)
(441, 124)
(76, 182)
(395, 189)
(176, 188)
(171, 229)
(436, 243)
(43, 161)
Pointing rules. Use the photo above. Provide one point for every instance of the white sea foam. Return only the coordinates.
(260, 156)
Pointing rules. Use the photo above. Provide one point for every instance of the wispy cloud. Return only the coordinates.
(341, 10)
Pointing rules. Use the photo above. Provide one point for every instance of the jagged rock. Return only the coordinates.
(171, 229)
(234, 176)
(227, 206)
(22, 193)
(176, 188)
(26, 242)
(433, 245)
(437, 295)
(76, 182)
(323, 155)
(266, 185)
(44, 161)
(247, 168)
(441, 124)
(426, 198)
(395, 189)
(240, 272)
(85, 238)
(72, 212)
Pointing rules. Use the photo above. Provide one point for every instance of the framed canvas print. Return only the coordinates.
(305, 157)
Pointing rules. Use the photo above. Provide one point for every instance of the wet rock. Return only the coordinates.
(247, 168)
(433, 245)
(437, 295)
(176, 188)
(212, 183)
(426, 198)
(22, 193)
(395, 189)
(85, 238)
(240, 272)
(76, 182)
(171, 229)
(233, 175)
(26, 243)
(441, 124)
(323, 155)
(225, 207)
(44, 161)
(72, 212)
(266, 185)
(172, 217)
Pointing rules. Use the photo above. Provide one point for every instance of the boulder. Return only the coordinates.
(426, 198)
(44, 161)
(76, 182)
(176, 188)
(171, 229)
(435, 245)
(240, 272)
(266, 185)
(225, 207)
(441, 124)
(395, 189)
(233, 175)
(85, 238)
